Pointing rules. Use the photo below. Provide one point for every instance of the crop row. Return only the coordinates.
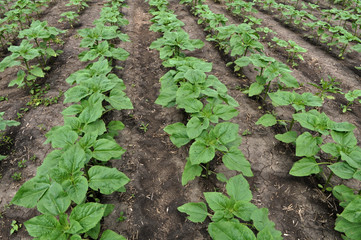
(209, 130)
(67, 185)
(326, 147)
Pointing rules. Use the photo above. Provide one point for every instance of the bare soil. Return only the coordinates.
(154, 165)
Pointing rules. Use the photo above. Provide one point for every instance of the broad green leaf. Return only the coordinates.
(76, 188)
(91, 113)
(31, 191)
(307, 145)
(352, 212)
(62, 137)
(225, 112)
(238, 188)
(287, 137)
(216, 200)
(346, 139)
(332, 148)
(314, 121)
(119, 54)
(255, 89)
(110, 235)
(97, 127)
(267, 120)
(226, 132)
(50, 161)
(194, 127)
(54, 201)
(353, 158)
(106, 180)
(190, 172)
(344, 194)
(197, 211)
(269, 233)
(235, 160)
(305, 167)
(87, 215)
(19, 80)
(94, 232)
(201, 153)
(195, 76)
(351, 229)
(244, 210)
(342, 170)
(260, 219)
(225, 230)
(178, 134)
(190, 105)
(72, 110)
(105, 150)
(42, 226)
(73, 159)
(38, 72)
(77, 93)
(119, 100)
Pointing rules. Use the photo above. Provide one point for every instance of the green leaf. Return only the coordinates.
(353, 158)
(19, 79)
(119, 100)
(287, 137)
(226, 132)
(235, 160)
(255, 89)
(105, 150)
(344, 194)
(238, 188)
(178, 134)
(216, 200)
(342, 170)
(197, 211)
(352, 212)
(110, 235)
(62, 137)
(54, 201)
(244, 210)
(224, 230)
(195, 76)
(73, 159)
(305, 167)
(38, 72)
(76, 188)
(72, 110)
(86, 215)
(201, 153)
(267, 120)
(194, 127)
(31, 191)
(260, 219)
(225, 112)
(94, 232)
(351, 229)
(42, 226)
(307, 145)
(269, 233)
(106, 180)
(77, 93)
(190, 172)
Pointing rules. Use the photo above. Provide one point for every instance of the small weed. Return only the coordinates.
(14, 227)
(121, 218)
(33, 158)
(3, 98)
(22, 163)
(16, 176)
(246, 132)
(42, 127)
(144, 127)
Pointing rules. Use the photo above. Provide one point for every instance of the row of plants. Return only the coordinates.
(18, 15)
(294, 50)
(208, 131)
(325, 146)
(68, 185)
(321, 31)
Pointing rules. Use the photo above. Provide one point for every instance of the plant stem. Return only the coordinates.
(327, 182)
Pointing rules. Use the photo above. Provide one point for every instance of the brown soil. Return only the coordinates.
(152, 162)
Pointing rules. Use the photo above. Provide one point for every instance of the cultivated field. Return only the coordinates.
(191, 119)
